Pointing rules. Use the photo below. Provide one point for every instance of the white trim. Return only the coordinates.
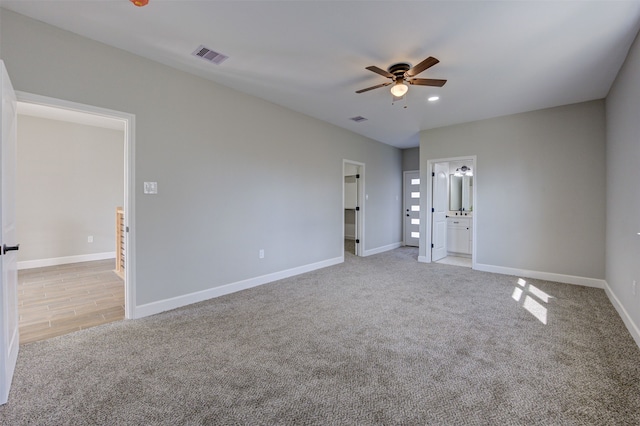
(626, 318)
(382, 249)
(188, 299)
(40, 263)
(547, 276)
(129, 181)
(424, 259)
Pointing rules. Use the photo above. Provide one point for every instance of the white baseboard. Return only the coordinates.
(626, 318)
(188, 299)
(547, 276)
(28, 264)
(424, 259)
(382, 249)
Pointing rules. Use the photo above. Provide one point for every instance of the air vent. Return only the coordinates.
(358, 119)
(209, 55)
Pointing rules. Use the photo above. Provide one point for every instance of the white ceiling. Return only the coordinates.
(500, 57)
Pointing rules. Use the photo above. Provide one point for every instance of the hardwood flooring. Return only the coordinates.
(57, 300)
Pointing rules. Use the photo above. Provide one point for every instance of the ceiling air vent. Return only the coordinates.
(358, 119)
(209, 55)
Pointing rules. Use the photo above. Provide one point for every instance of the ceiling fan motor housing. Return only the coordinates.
(399, 69)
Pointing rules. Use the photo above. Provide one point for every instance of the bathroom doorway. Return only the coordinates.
(451, 215)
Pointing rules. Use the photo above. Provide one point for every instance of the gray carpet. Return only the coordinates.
(377, 340)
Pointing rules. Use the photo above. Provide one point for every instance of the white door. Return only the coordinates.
(412, 208)
(9, 341)
(439, 228)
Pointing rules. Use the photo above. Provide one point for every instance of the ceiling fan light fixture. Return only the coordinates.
(399, 89)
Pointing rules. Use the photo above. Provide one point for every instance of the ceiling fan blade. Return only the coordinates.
(427, 63)
(427, 82)
(373, 87)
(380, 71)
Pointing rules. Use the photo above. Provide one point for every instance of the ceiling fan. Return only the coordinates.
(402, 73)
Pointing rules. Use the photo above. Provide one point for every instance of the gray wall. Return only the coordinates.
(623, 185)
(411, 159)
(235, 173)
(540, 182)
(70, 179)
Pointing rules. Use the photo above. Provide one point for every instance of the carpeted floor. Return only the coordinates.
(376, 340)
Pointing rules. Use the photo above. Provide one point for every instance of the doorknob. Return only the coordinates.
(6, 248)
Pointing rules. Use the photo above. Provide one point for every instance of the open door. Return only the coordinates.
(9, 341)
(439, 228)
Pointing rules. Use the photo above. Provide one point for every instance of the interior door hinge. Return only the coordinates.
(433, 174)
(357, 208)
(357, 241)
(126, 229)
(433, 210)
(431, 245)
(358, 176)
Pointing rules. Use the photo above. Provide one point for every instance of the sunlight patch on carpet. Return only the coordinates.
(532, 304)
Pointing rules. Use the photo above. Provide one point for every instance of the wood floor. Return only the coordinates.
(57, 300)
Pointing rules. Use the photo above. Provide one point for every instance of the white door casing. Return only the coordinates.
(411, 186)
(9, 341)
(439, 227)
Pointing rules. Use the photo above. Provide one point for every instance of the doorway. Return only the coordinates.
(353, 198)
(451, 212)
(95, 270)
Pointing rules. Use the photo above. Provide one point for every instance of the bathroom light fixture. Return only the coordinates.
(433, 98)
(399, 89)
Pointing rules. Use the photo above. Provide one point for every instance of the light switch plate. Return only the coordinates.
(151, 187)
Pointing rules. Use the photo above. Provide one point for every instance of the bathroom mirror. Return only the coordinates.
(460, 193)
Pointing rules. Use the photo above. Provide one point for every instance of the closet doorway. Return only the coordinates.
(353, 207)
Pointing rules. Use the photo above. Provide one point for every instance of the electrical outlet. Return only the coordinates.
(261, 254)
(90, 239)
(633, 287)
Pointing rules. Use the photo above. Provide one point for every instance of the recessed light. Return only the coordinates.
(433, 98)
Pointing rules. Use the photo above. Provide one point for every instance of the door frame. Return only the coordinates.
(361, 204)
(129, 181)
(428, 217)
(404, 205)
